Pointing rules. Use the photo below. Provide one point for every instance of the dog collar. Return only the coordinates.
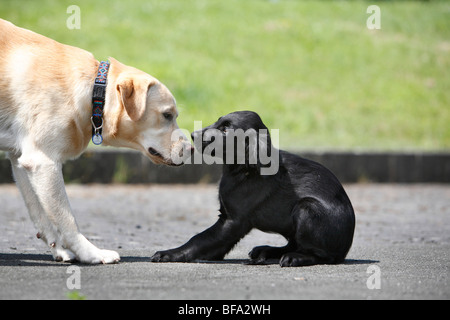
(98, 102)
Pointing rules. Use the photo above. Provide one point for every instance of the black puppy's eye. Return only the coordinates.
(225, 126)
(168, 116)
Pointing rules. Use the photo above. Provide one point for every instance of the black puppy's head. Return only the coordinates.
(244, 120)
(236, 138)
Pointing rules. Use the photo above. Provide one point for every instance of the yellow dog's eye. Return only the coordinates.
(168, 116)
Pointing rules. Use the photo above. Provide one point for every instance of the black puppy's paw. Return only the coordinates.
(294, 259)
(262, 253)
(169, 256)
(258, 255)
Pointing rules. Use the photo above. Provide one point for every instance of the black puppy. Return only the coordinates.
(302, 200)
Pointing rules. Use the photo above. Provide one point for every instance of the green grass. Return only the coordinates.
(310, 68)
(75, 295)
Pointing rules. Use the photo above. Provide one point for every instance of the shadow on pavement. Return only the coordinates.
(44, 260)
(28, 260)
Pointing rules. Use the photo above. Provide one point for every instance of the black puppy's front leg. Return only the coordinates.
(212, 244)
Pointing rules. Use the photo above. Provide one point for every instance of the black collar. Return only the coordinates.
(98, 102)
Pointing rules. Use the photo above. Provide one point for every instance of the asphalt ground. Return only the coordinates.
(401, 248)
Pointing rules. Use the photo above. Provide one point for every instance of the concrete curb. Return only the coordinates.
(116, 166)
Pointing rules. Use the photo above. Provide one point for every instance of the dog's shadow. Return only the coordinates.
(277, 261)
(28, 260)
(247, 261)
(362, 261)
(46, 260)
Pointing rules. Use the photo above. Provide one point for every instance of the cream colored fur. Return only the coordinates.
(45, 110)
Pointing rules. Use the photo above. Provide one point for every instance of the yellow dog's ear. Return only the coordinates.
(133, 95)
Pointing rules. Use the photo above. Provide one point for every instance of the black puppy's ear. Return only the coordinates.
(257, 146)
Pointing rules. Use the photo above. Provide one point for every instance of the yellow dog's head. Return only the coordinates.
(141, 114)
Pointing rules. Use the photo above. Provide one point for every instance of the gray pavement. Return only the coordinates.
(403, 230)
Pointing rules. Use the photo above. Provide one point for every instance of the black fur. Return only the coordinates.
(303, 201)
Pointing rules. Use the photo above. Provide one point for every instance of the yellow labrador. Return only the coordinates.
(46, 106)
